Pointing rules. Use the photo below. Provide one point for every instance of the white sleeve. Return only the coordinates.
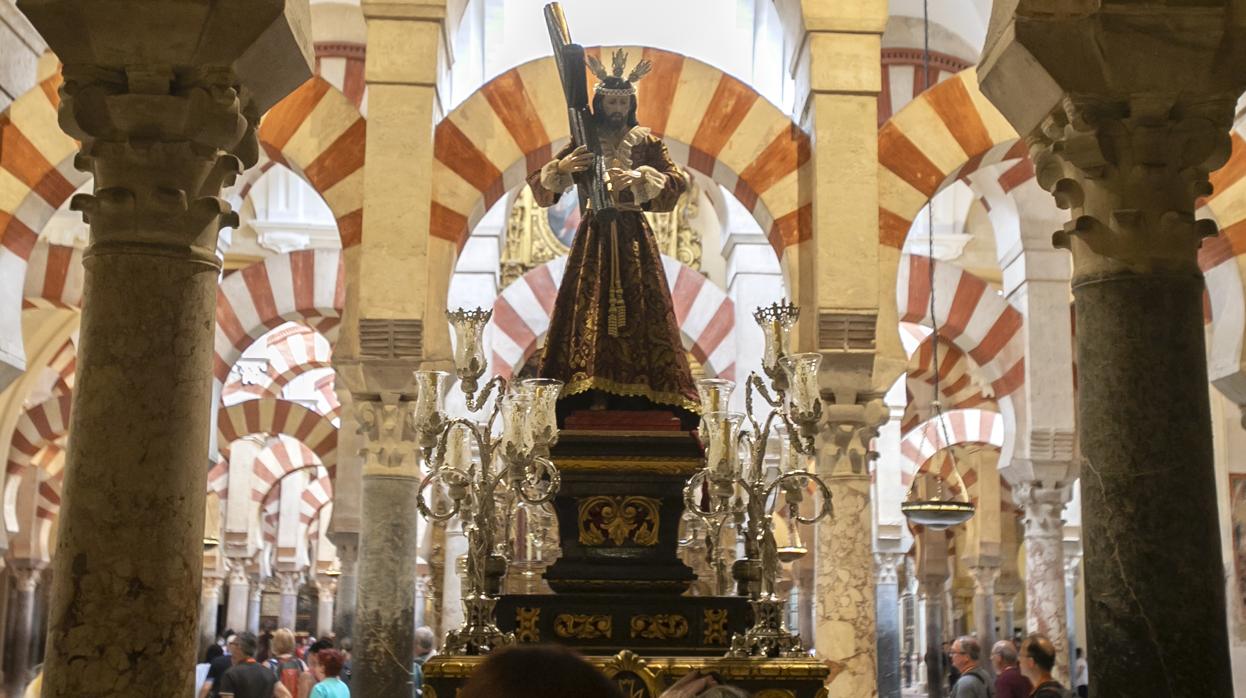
(554, 180)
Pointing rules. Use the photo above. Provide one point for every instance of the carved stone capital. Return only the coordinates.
(1129, 171)
(984, 578)
(848, 437)
(1042, 505)
(887, 567)
(237, 574)
(390, 437)
(26, 578)
(290, 582)
(326, 588)
(346, 544)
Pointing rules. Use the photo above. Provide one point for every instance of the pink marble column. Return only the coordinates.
(25, 581)
(1043, 506)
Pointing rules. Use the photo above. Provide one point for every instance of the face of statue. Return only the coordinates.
(614, 110)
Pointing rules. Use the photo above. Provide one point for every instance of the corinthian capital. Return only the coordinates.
(1042, 505)
(849, 437)
(1129, 171)
(389, 435)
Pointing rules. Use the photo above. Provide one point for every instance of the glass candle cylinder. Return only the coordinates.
(776, 321)
(430, 401)
(542, 419)
(469, 352)
(715, 393)
(802, 379)
(721, 431)
(516, 434)
(458, 448)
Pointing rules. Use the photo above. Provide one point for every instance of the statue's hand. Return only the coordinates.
(622, 179)
(577, 160)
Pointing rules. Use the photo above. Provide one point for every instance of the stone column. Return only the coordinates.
(1124, 137)
(160, 136)
(288, 611)
(347, 546)
(888, 627)
(25, 581)
(1007, 618)
(253, 606)
(239, 596)
(1044, 563)
(326, 591)
(389, 541)
(932, 592)
(984, 604)
(919, 636)
(844, 623)
(1072, 565)
(209, 608)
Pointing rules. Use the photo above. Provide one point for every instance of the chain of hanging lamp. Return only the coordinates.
(935, 512)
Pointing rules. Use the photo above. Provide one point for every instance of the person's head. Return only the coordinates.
(242, 647)
(315, 648)
(1079, 652)
(614, 97)
(1037, 658)
(966, 652)
(1003, 655)
(283, 641)
(537, 671)
(214, 651)
(328, 663)
(346, 645)
(424, 640)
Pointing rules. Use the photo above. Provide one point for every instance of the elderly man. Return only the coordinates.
(974, 681)
(1009, 683)
(1038, 660)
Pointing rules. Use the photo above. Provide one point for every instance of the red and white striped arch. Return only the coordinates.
(711, 122)
(960, 383)
(281, 380)
(218, 478)
(903, 77)
(54, 277)
(341, 63)
(280, 458)
(316, 496)
(306, 286)
(1224, 269)
(706, 316)
(279, 417)
(920, 446)
(969, 313)
(40, 425)
(319, 133)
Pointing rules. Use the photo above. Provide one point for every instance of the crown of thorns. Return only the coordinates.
(619, 64)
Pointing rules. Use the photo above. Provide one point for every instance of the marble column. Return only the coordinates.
(887, 600)
(164, 99)
(288, 610)
(1124, 138)
(1007, 614)
(347, 546)
(326, 592)
(388, 546)
(920, 638)
(239, 596)
(209, 608)
(1043, 532)
(845, 615)
(1072, 565)
(984, 604)
(25, 581)
(254, 603)
(932, 592)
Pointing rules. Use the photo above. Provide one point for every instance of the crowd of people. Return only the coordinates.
(1016, 670)
(274, 665)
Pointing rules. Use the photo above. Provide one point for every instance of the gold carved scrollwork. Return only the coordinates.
(774, 693)
(530, 242)
(715, 630)
(527, 624)
(582, 627)
(619, 519)
(660, 627)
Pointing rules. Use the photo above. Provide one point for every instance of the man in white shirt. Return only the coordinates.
(1081, 675)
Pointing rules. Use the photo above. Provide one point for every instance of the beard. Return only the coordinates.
(612, 122)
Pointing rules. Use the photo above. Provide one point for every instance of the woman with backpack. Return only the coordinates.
(285, 664)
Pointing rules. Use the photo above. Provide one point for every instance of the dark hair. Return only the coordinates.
(1079, 653)
(537, 671)
(214, 651)
(246, 643)
(1040, 649)
(314, 649)
(615, 84)
(331, 661)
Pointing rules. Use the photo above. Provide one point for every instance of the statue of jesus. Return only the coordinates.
(613, 338)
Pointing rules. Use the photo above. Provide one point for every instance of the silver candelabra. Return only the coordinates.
(484, 485)
(735, 486)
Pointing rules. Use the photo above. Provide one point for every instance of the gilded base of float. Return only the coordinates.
(648, 677)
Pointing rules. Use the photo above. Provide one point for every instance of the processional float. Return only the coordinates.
(620, 483)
